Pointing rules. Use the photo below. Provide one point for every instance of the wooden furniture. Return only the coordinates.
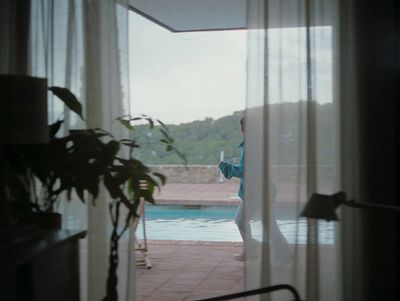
(45, 268)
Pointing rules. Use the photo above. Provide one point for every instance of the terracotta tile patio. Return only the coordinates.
(193, 270)
(189, 270)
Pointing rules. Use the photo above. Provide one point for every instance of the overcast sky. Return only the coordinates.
(181, 77)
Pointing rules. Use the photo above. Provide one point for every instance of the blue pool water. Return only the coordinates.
(215, 223)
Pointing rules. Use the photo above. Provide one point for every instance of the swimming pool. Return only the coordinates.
(215, 223)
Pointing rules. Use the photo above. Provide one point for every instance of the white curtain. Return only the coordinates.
(83, 45)
(292, 147)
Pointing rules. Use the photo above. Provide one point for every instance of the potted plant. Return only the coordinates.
(34, 172)
(85, 159)
(127, 180)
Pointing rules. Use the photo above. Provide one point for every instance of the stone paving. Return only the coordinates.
(198, 194)
(189, 270)
(192, 270)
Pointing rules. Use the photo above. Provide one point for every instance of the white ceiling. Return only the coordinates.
(203, 15)
(193, 15)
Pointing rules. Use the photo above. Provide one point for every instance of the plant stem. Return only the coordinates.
(112, 279)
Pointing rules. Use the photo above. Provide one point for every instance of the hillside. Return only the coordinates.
(202, 140)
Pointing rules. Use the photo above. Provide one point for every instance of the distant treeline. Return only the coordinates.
(202, 140)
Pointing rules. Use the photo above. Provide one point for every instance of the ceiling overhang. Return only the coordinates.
(193, 15)
(213, 15)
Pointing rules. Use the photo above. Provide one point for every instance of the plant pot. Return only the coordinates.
(45, 220)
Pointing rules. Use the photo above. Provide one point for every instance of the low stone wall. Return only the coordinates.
(286, 177)
(192, 174)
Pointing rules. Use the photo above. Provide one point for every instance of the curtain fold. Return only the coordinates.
(368, 147)
(353, 267)
(83, 45)
(292, 146)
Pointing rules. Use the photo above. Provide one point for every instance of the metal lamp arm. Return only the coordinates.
(352, 203)
(258, 291)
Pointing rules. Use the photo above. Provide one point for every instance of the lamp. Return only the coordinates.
(23, 102)
(23, 121)
(321, 206)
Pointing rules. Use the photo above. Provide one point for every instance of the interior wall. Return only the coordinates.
(377, 49)
(14, 36)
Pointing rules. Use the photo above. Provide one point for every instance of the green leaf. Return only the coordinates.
(161, 123)
(55, 127)
(79, 191)
(161, 177)
(148, 196)
(123, 116)
(131, 188)
(112, 186)
(151, 122)
(150, 186)
(109, 152)
(168, 137)
(100, 132)
(126, 124)
(129, 143)
(182, 156)
(68, 99)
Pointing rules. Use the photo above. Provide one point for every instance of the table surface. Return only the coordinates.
(20, 252)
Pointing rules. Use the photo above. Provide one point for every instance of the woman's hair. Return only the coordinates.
(242, 123)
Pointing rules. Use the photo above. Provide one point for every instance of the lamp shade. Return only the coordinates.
(23, 110)
(321, 206)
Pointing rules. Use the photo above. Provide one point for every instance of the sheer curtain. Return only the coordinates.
(292, 147)
(83, 45)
